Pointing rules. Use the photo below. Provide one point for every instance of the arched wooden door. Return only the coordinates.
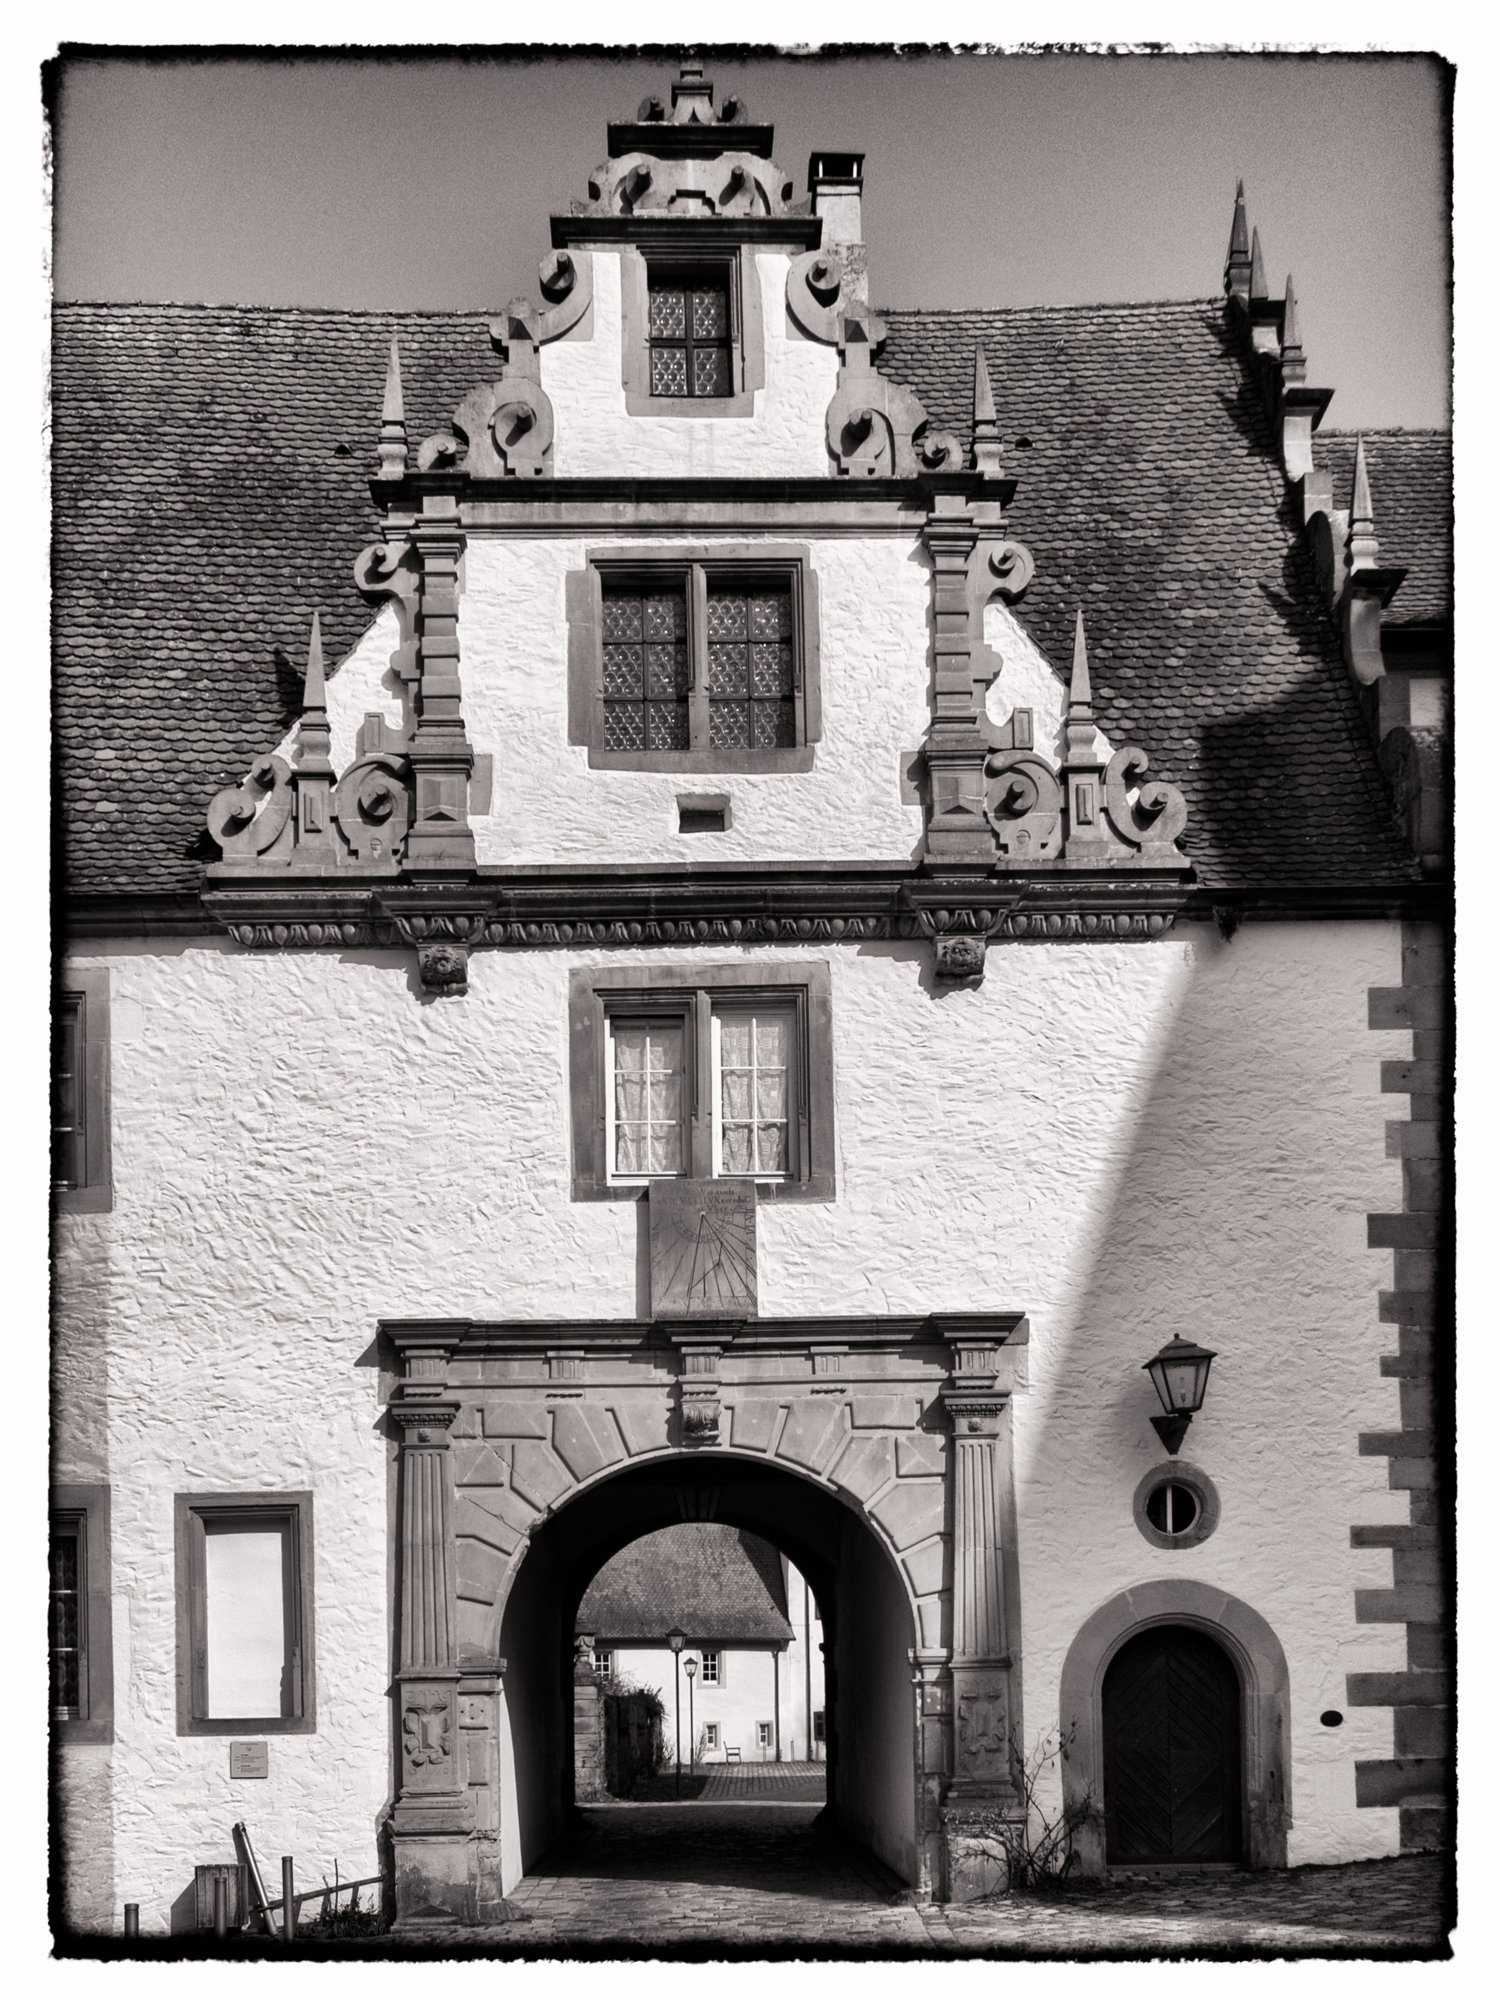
(1172, 1755)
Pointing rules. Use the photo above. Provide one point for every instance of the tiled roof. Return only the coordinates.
(1411, 490)
(710, 1580)
(210, 490)
(1151, 495)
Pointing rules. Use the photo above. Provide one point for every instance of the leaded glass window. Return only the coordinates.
(646, 1097)
(67, 1093)
(751, 702)
(66, 1637)
(689, 332)
(753, 1053)
(646, 674)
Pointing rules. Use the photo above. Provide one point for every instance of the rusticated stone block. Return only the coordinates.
(1406, 1007)
(1391, 1781)
(812, 1434)
(1424, 1732)
(481, 1570)
(924, 1566)
(753, 1423)
(538, 1476)
(890, 1413)
(911, 1511)
(930, 1620)
(1397, 1607)
(1408, 1690)
(584, 1439)
(515, 1420)
(643, 1423)
(485, 1524)
(867, 1465)
(477, 1465)
(921, 1453)
(1401, 1232)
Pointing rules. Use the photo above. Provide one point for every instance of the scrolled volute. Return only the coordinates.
(1154, 820)
(372, 804)
(248, 819)
(1024, 804)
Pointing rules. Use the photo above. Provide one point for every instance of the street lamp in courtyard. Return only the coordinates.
(690, 1667)
(677, 1639)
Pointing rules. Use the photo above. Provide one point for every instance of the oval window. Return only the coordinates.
(1172, 1508)
(1176, 1506)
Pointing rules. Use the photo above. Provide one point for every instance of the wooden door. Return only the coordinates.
(1172, 1750)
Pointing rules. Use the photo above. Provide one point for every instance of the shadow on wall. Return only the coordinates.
(1236, 1190)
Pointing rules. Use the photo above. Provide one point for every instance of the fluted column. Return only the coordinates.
(984, 1746)
(433, 1816)
(426, 1536)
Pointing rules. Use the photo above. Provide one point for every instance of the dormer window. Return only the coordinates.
(690, 335)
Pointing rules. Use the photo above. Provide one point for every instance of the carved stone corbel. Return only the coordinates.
(871, 422)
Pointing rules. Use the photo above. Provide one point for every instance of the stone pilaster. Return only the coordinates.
(985, 1727)
(957, 830)
(441, 841)
(433, 1815)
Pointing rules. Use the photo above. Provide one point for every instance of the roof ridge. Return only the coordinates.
(446, 313)
(1078, 306)
(1388, 431)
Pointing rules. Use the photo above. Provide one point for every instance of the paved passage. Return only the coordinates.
(791, 1784)
(727, 1878)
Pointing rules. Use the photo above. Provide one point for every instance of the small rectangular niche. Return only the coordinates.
(704, 812)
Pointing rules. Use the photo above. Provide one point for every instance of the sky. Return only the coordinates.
(425, 179)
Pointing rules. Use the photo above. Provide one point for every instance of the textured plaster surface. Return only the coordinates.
(1027, 679)
(783, 438)
(1123, 1141)
(549, 806)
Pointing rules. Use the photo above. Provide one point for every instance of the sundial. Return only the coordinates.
(702, 1249)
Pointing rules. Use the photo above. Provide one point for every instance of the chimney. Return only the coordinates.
(836, 181)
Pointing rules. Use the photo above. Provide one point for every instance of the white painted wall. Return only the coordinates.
(1124, 1141)
(745, 1695)
(548, 806)
(783, 438)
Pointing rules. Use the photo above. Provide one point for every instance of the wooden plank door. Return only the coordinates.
(1172, 1750)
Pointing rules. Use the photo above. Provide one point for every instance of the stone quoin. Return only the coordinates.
(778, 949)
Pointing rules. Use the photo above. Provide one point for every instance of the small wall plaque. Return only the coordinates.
(249, 1760)
(702, 1249)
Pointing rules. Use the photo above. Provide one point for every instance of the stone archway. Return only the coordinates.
(1266, 1708)
(898, 1427)
(869, 1624)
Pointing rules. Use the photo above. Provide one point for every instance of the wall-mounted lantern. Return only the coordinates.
(1180, 1373)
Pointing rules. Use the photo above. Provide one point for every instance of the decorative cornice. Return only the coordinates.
(472, 1337)
(609, 906)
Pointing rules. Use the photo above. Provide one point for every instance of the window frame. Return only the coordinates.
(747, 347)
(765, 1736)
(295, 1510)
(695, 565)
(84, 992)
(711, 1734)
(693, 994)
(607, 1655)
(722, 276)
(716, 1654)
(85, 1510)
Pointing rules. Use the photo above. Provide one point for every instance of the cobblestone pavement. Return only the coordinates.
(710, 1879)
(799, 1784)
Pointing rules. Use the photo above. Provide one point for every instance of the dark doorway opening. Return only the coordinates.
(1172, 1750)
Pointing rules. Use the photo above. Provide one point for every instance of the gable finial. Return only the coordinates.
(1080, 692)
(314, 686)
(1257, 267)
(986, 424)
(1237, 262)
(1361, 545)
(393, 419)
(1239, 229)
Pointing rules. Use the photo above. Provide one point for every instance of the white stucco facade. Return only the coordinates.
(1122, 1141)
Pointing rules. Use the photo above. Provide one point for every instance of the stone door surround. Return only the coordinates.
(1265, 1707)
(905, 1420)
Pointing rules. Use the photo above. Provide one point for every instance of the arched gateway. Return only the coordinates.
(875, 1451)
